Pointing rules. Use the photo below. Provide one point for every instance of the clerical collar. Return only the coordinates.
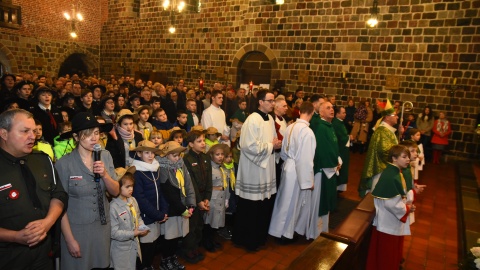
(262, 114)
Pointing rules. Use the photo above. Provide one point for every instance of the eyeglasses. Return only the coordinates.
(269, 100)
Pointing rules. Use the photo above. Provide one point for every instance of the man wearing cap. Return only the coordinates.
(382, 140)
(256, 184)
(46, 113)
(31, 195)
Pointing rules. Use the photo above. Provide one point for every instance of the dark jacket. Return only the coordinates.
(18, 208)
(117, 148)
(201, 174)
(148, 193)
(49, 131)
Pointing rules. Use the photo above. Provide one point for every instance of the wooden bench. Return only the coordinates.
(346, 247)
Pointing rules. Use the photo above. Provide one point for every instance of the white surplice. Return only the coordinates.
(294, 209)
(256, 170)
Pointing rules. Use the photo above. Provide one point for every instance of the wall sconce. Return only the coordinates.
(74, 18)
(344, 79)
(200, 83)
(373, 21)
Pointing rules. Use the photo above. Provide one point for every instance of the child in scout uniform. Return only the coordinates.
(178, 190)
(215, 218)
(177, 134)
(393, 204)
(229, 166)
(211, 138)
(200, 169)
(126, 219)
(147, 191)
(142, 125)
(156, 137)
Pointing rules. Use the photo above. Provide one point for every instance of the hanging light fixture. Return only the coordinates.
(74, 17)
(373, 20)
(174, 6)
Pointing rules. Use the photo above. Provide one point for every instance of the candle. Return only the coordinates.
(251, 85)
(454, 81)
(200, 84)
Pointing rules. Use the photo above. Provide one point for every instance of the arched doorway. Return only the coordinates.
(255, 67)
(76, 63)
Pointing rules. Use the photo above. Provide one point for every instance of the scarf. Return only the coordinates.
(224, 178)
(230, 166)
(442, 125)
(146, 167)
(125, 134)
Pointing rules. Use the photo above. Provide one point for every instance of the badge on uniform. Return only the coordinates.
(14, 194)
(194, 164)
(123, 213)
(5, 187)
(76, 178)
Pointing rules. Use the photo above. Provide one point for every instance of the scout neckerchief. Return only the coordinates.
(230, 167)
(181, 180)
(224, 178)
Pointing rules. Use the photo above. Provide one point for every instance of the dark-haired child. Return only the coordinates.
(182, 121)
(200, 169)
(63, 147)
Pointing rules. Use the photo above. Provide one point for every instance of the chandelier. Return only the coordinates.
(74, 17)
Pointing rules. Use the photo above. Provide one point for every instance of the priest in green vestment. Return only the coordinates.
(343, 146)
(326, 162)
(382, 140)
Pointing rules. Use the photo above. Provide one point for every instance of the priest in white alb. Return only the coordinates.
(294, 210)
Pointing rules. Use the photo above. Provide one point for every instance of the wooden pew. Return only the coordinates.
(346, 247)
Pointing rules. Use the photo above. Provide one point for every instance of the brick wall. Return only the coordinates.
(424, 43)
(43, 42)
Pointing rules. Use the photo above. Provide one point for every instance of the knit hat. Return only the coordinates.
(170, 147)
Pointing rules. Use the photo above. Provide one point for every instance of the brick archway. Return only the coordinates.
(7, 59)
(256, 47)
(91, 60)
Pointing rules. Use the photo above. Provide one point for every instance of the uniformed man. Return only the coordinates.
(31, 195)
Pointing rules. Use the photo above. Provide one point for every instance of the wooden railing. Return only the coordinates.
(10, 16)
(346, 247)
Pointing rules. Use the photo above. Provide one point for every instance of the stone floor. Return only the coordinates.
(433, 244)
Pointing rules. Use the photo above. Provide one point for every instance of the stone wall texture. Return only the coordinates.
(421, 44)
(43, 42)
(424, 44)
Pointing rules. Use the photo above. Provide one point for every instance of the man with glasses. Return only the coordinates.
(256, 184)
(382, 140)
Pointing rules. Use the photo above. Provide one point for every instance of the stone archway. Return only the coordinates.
(261, 52)
(7, 60)
(89, 60)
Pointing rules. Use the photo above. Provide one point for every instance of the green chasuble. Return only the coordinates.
(326, 156)
(380, 143)
(390, 184)
(342, 136)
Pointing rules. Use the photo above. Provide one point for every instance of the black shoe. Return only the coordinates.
(209, 246)
(199, 255)
(176, 263)
(217, 245)
(190, 257)
(167, 264)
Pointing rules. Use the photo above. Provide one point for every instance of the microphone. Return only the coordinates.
(96, 157)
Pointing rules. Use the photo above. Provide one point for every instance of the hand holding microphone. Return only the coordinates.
(98, 167)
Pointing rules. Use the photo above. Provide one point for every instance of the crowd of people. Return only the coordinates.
(134, 169)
